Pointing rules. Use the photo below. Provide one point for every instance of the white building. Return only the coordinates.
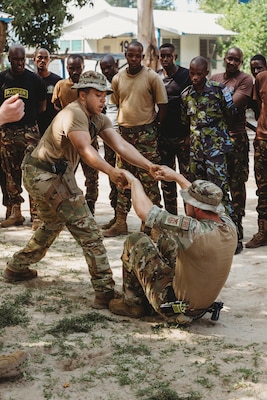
(106, 29)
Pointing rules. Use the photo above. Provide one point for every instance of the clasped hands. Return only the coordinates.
(124, 179)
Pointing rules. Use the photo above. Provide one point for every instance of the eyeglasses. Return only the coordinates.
(236, 59)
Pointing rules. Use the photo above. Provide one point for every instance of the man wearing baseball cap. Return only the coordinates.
(184, 273)
(49, 177)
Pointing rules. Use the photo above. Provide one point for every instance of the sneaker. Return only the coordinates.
(24, 275)
(9, 364)
(119, 307)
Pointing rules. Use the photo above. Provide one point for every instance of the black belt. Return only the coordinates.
(135, 129)
(57, 168)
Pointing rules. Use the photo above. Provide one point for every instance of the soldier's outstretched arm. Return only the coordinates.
(164, 173)
(141, 203)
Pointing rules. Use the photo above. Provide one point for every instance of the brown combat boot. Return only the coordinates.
(15, 218)
(119, 307)
(102, 299)
(119, 228)
(110, 223)
(260, 238)
(25, 275)
(9, 364)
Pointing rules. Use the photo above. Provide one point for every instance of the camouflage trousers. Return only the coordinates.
(91, 178)
(13, 145)
(260, 170)
(238, 170)
(147, 270)
(169, 150)
(73, 214)
(213, 169)
(145, 141)
(110, 157)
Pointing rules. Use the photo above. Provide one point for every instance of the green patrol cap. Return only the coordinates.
(92, 79)
(204, 195)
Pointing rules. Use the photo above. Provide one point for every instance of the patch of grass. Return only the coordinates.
(205, 382)
(248, 374)
(12, 314)
(139, 349)
(81, 323)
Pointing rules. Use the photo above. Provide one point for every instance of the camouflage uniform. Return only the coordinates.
(144, 139)
(149, 270)
(14, 142)
(238, 170)
(208, 113)
(91, 181)
(73, 214)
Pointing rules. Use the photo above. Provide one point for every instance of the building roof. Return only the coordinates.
(5, 17)
(104, 20)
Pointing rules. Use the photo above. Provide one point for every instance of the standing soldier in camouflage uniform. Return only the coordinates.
(208, 107)
(260, 161)
(193, 256)
(109, 68)
(49, 178)
(63, 94)
(137, 90)
(174, 140)
(11, 110)
(17, 136)
(240, 86)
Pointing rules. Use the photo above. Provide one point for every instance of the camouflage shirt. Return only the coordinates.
(209, 113)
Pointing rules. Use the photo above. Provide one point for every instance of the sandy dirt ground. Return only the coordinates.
(77, 353)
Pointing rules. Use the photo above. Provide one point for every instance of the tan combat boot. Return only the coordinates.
(119, 228)
(102, 299)
(119, 307)
(15, 218)
(9, 364)
(110, 223)
(260, 238)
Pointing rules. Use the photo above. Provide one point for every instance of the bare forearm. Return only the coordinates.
(141, 203)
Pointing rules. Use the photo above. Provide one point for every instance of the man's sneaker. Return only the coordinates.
(119, 307)
(24, 275)
(9, 364)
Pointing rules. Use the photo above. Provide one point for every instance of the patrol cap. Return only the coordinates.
(205, 195)
(92, 79)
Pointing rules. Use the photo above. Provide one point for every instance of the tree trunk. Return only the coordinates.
(146, 33)
(3, 27)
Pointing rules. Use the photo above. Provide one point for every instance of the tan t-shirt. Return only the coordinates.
(204, 254)
(64, 93)
(136, 96)
(55, 144)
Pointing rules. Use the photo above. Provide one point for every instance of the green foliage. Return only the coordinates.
(215, 6)
(11, 311)
(82, 323)
(38, 23)
(249, 20)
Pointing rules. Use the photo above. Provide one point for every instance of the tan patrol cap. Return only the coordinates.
(92, 79)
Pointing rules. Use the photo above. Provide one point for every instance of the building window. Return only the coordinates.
(208, 51)
(176, 43)
(71, 46)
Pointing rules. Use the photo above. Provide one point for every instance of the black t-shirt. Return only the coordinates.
(45, 118)
(172, 126)
(31, 89)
